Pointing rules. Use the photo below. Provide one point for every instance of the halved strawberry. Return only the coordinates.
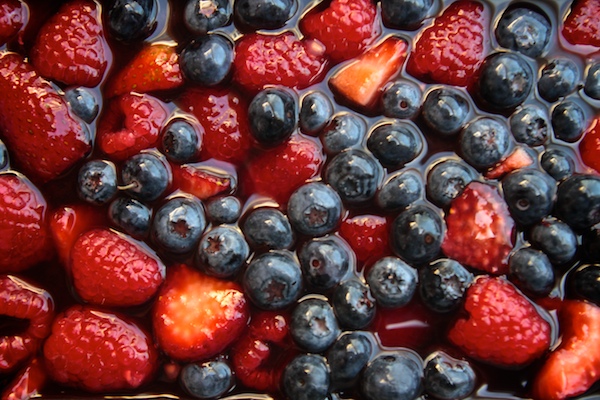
(519, 158)
(360, 82)
(28, 383)
(12, 17)
(589, 146)
(368, 236)
(581, 25)
(197, 316)
(202, 181)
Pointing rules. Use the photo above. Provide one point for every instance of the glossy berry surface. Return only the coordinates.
(315, 111)
(532, 270)
(273, 116)
(394, 145)
(402, 99)
(145, 176)
(400, 190)
(324, 262)
(445, 110)
(313, 325)
(315, 209)
(306, 377)
(268, 228)
(524, 29)
(348, 356)
(353, 304)
(446, 377)
(264, 14)
(529, 125)
(131, 216)
(130, 20)
(394, 375)
(200, 18)
(207, 60)
(97, 181)
(392, 282)
(442, 284)
(344, 131)
(178, 225)
(207, 380)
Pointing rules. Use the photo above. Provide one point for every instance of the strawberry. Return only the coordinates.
(290, 164)
(345, 27)
(114, 270)
(21, 299)
(25, 237)
(131, 122)
(581, 25)
(451, 50)
(197, 316)
(99, 351)
(28, 382)
(480, 230)
(12, 18)
(44, 139)
(589, 146)
(283, 59)
(519, 158)
(361, 82)
(367, 235)
(502, 326)
(224, 116)
(155, 67)
(70, 47)
(573, 367)
(202, 181)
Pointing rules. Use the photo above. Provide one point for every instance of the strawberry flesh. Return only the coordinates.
(203, 182)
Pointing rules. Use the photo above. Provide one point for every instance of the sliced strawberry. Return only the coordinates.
(502, 327)
(197, 316)
(155, 67)
(360, 82)
(28, 383)
(70, 46)
(574, 366)
(202, 181)
(589, 146)
(480, 230)
(368, 236)
(12, 19)
(581, 25)
(519, 158)
(131, 122)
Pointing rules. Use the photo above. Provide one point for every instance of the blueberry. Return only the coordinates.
(592, 81)
(446, 181)
(314, 209)
(313, 325)
(273, 280)
(315, 112)
(525, 30)
(131, 216)
(344, 131)
(529, 125)
(557, 164)
(264, 14)
(206, 380)
(400, 190)
(355, 175)
(401, 100)
(324, 262)
(200, 17)
(417, 233)
(4, 160)
(145, 176)
(222, 251)
(590, 244)
(306, 377)
(405, 14)
(130, 20)
(97, 182)
(348, 356)
(395, 144)
(394, 375)
(532, 271)
(224, 209)
(448, 378)
(578, 201)
(273, 116)
(392, 282)
(178, 224)
(445, 110)
(353, 304)
(443, 283)
(584, 282)
(180, 141)
(555, 238)
(568, 121)
(268, 228)
(82, 103)
(207, 60)
(558, 78)
(485, 142)
(505, 80)
(529, 194)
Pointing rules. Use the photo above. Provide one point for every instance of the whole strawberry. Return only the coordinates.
(99, 351)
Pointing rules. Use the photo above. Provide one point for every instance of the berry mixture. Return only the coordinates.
(300, 199)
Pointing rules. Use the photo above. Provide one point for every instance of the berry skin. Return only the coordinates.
(200, 18)
(367, 235)
(56, 140)
(445, 110)
(529, 125)
(563, 374)
(502, 327)
(197, 316)
(578, 201)
(589, 147)
(306, 377)
(181, 140)
(201, 181)
(529, 194)
(206, 380)
(584, 282)
(395, 144)
(505, 80)
(282, 59)
(113, 270)
(23, 300)
(273, 116)
(178, 225)
(555, 238)
(146, 176)
(28, 383)
(448, 378)
(264, 14)
(355, 175)
(4, 157)
(12, 18)
(153, 68)
(401, 99)
(452, 49)
(447, 180)
(131, 216)
(348, 356)
(225, 209)
(592, 81)
(443, 283)
(484, 142)
(83, 103)
(119, 354)
(313, 325)
(207, 60)
(405, 14)
(132, 20)
(394, 375)
(558, 164)
(26, 239)
(485, 246)
(324, 262)
(222, 251)
(70, 47)
(97, 182)
(568, 121)
(345, 27)
(315, 111)
(268, 228)
(417, 234)
(580, 26)
(353, 304)
(524, 29)
(392, 282)
(315, 209)
(532, 271)
(558, 79)
(345, 130)
(400, 190)
(130, 123)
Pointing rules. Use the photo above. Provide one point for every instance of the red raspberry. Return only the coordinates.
(71, 47)
(502, 327)
(581, 25)
(99, 351)
(283, 59)
(28, 383)
(114, 270)
(368, 236)
(346, 27)
(12, 18)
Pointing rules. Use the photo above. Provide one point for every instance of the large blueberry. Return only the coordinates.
(392, 281)
(269, 228)
(313, 325)
(505, 80)
(315, 209)
(324, 261)
(355, 175)
(207, 60)
(178, 224)
(394, 375)
(222, 251)
(417, 233)
(306, 377)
